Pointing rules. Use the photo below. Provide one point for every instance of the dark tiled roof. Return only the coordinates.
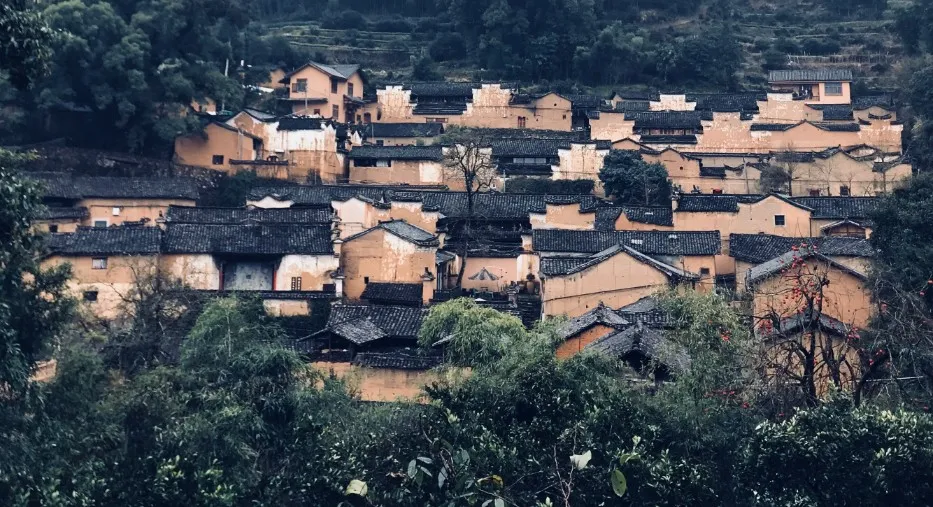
(839, 207)
(712, 172)
(342, 71)
(199, 215)
(646, 310)
(714, 202)
(647, 242)
(392, 321)
(63, 213)
(508, 133)
(668, 139)
(63, 186)
(834, 112)
(567, 266)
(799, 322)
(527, 147)
(299, 123)
(525, 169)
(397, 360)
(772, 127)
(759, 248)
(401, 129)
(861, 103)
(397, 152)
(442, 89)
(601, 315)
(606, 216)
(669, 119)
(727, 102)
(809, 75)
(628, 106)
(777, 264)
(585, 101)
(647, 342)
(269, 239)
(838, 127)
(403, 230)
(427, 108)
(126, 240)
(393, 292)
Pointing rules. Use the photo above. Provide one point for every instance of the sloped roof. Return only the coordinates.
(839, 207)
(646, 242)
(403, 230)
(669, 139)
(65, 186)
(393, 292)
(865, 102)
(774, 266)
(834, 112)
(253, 238)
(669, 119)
(401, 129)
(299, 123)
(602, 314)
(758, 248)
(63, 213)
(645, 341)
(442, 89)
(646, 310)
(772, 127)
(606, 216)
(340, 71)
(567, 266)
(358, 331)
(510, 133)
(397, 152)
(727, 102)
(207, 215)
(585, 101)
(391, 321)
(809, 75)
(124, 240)
(712, 202)
(397, 360)
(800, 321)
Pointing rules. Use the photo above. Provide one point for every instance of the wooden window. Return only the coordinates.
(301, 86)
(335, 112)
(704, 271)
(217, 159)
(779, 220)
(53, 228)
(380, 142)
(383, 163)
(522, 121)
(367, 118)
(90, 295)
(717, 190)
(844, 190)
(100, 223)
(330, 287)
(833, 89)
(365, 279)
(350, 89)
(334, 84)
(296, 283)
(317, 112)
(814, 192)
(99, 263)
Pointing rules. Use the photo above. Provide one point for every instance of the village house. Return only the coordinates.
(296, 148)
(839, 291)
(750, 250)
(839, 216)
(822, 86)
(100, 201)
(107, 264)
(582, 268)
(400, 134)
(399, 165)
(326, 91)
(470, 105)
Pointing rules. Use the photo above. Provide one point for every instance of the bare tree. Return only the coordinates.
(468, 162)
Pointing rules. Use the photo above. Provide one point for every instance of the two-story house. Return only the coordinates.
(328, 91)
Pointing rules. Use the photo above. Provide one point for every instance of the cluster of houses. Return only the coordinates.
(378, 232)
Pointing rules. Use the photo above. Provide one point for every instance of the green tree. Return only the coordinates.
(630, 180)
(25, 43)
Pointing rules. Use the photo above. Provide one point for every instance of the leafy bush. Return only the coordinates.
(448, 46)
(345, 20)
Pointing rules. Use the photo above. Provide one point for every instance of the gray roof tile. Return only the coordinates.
(646, 242)
(758, 248)
(125, 240)
(397, 152)
(809, 75)
(393, 293)
(204, 215)
(253, 238)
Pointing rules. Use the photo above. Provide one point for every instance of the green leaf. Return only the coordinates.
(619, 484)
(441, 477)
(499, 502)
(412, 469)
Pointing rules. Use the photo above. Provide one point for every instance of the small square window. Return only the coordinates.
(843, 190)
(317, 112)
(100, 223)
(217, 159)
(522, 122)
(833, 88)
(380, 142)
(301, 86)
(90, 295)
(704, 271)
(99, 263)
(779, 220)
(116, 211)
(296, 283)
(814, 192)
(53, 228)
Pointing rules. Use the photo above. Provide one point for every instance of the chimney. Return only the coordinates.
(427, 286)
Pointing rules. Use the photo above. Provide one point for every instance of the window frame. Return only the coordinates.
(349, 88)
(90, 296)
(103, 224)
(216, 158)
(780, 218)
(833, 93)
(99, 263)
(845, 191)
(296, 283)
(301, 86)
